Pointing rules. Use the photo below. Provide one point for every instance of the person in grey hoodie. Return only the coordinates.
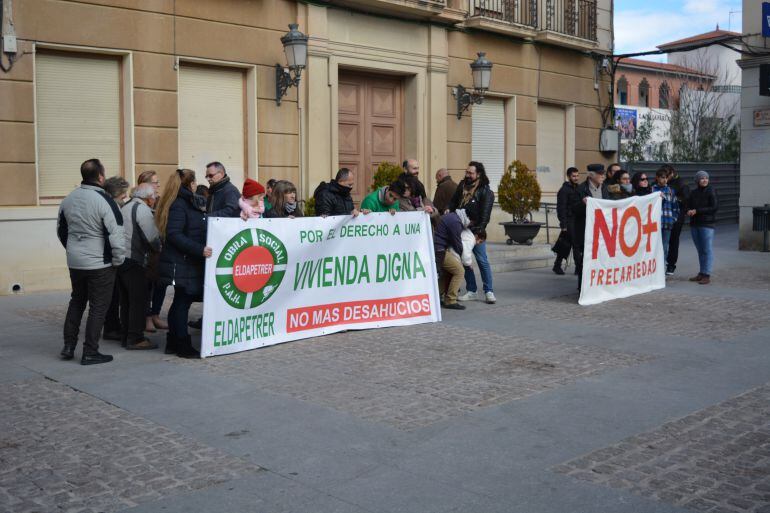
(90, 227)
(141, 236)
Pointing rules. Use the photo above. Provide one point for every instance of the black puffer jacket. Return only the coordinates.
(223, 199)
(564, 201)
(682, 191)
(704, 201)
(181, 260)
(479, 208)
(331, 199)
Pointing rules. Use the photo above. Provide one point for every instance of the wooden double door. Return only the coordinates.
(370, 125)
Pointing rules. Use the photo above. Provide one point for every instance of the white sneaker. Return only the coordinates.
(468, 296)
(491, 299)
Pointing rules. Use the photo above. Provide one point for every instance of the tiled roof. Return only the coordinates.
(702, 38)
(660, 66)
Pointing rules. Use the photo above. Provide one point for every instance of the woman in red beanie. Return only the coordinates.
(252, 201)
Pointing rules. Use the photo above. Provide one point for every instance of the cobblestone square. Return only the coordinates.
(64, 450)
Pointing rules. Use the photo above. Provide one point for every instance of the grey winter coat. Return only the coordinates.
(141, 234)
(90, 227)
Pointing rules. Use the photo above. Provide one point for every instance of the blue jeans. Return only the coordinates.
(480, 252)
(179, 312)
(703, 237)
(666, 240)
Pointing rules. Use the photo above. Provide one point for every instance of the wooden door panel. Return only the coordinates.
(370, 132)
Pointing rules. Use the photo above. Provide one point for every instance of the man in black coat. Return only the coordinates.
(333, 198)
(682, 192)
(475, 196)
(564, 200)
(593, 187)
(223, 195)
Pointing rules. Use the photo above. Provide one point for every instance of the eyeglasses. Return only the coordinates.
(210, 176)
(643, 179)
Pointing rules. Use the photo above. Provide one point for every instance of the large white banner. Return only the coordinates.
(274, 280)
(623, 253)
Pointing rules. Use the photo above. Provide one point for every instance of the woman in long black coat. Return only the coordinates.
(181, 221)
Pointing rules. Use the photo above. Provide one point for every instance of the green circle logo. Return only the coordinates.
(250, 268)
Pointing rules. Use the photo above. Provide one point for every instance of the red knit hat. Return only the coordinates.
(252, 188)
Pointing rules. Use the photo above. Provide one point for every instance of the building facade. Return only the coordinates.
(755, 124)
(159, 84)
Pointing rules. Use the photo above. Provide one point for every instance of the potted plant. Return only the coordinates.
(519, 195)
(386, 174)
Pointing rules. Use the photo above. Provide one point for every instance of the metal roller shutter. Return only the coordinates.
(78, 118)
(211, 120)
(488, 139)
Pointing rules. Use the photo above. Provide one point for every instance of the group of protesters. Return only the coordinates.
(125, 246)
(679, 202)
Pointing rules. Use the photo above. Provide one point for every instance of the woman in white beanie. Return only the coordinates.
(701, 209)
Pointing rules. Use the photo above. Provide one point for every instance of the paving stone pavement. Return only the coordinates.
(664, 312)
(715, 460)
(410, 377)
(66, 451)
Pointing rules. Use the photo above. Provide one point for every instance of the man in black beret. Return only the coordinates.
(593, 187)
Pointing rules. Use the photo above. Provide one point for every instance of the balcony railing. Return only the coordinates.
(572, 17)
(521, 12)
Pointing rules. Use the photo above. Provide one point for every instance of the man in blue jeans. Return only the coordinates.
(474, 195)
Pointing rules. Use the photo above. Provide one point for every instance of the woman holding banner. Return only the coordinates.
(181, 220)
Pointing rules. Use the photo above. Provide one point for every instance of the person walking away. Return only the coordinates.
(141, 238)
(181, 220)
(669, 207)
(592, 187)
(682, 192)
(474, 195)
(333, 198)
(155, 292)
(445, 189)
(641, 184)
(90, 228)
(223, 195)
(622, 187)
(252, 200)
(564, 200)
(385, 199)
(284, 201)
(117, 188)
(448, 236)
(702, 208)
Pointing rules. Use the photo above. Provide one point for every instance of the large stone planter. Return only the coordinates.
(521, 233)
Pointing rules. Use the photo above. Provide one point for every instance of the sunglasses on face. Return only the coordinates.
(643, 179)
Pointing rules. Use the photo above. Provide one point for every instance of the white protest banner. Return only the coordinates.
(274, 280)
(623, 253)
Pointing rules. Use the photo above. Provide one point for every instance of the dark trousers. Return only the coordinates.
(92, 287)
(112, 321)
(673, 244)
(133, 301)
(179, 313)
(156, 294)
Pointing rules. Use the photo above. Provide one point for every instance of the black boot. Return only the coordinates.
(172, 344)
(186, 349)
(95, 358)
(557, 267)
(68, 353)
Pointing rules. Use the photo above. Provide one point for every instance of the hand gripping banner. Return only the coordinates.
(275, 280)
(623, 253)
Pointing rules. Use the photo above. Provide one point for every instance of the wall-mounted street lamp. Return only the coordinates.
(481, 69)
(295, 48)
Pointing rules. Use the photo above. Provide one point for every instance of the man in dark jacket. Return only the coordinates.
(333, 198)
(445, 189)
(448, 236)
(564, 213)
(90, 227)
(593, 187)
(682, 192)
(223, 195)
(412, 168)
(474, 195)
(702, 208)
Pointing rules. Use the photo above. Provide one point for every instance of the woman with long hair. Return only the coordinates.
(641, 184)
(284, 201)
(181, 221)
